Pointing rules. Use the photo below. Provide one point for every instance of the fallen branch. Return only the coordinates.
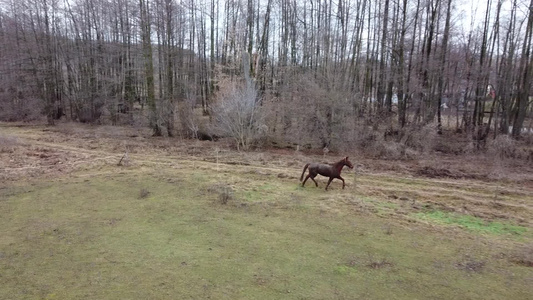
(123, 158)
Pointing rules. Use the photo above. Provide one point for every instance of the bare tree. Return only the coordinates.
(238, 112)
(526, 76)
(149, 67)
(443, 55)
(92, 59)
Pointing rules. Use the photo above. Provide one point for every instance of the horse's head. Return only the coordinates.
(348, 163)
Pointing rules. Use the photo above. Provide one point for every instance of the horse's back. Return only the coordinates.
(323, 169)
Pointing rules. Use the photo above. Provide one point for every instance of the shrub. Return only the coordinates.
(144, 193)
(420, 138)
(8, 144)
(225, 195)
(503, 146)
(238, 114)
(224, 191)
(27, 110)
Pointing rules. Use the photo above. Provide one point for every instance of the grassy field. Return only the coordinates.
(195, 221)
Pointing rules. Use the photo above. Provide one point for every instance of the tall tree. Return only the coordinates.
(381, 84)
(443, 56)
(145, 22)
(526, 72)
(506, 70)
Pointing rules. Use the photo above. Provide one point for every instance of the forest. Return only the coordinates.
(311, 74)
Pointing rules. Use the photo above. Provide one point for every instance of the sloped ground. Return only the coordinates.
(76, 224)
(472, 185)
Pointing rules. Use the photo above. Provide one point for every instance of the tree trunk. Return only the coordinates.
(443, 53)
(149, 68)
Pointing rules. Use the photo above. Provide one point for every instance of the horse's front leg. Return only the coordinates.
(343, 184)
(329, 181)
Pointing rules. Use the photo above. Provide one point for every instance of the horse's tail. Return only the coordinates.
(305, 168)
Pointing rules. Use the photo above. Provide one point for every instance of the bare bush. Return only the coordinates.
(189, 119)
(311, 113)
(390, 143)
(144, 193)
(27, 110)
(226, 194)
(503, 146)
(420, 138)
(238, 114)
(8, 144)
(374, 142)
(528, 138)
(90, 112)
(385, 149)
(224, 191)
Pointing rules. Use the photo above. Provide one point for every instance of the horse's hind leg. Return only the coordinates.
(313, 178)
(306, 177)
(329, 181)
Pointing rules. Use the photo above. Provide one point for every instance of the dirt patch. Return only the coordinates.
(379, 264)
(523, 256)
(32, 161)
(471, 265)
(433, 172)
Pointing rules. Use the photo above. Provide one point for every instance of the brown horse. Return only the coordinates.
(332, 171)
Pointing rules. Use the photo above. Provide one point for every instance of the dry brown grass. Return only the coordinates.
(502, 147)
(8, 144)
(473, 184)
(523, 255)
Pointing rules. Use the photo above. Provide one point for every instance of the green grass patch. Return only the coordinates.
(261, 192)
(471, 223)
